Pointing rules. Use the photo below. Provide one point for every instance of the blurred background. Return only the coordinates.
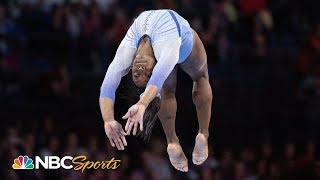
(264, 66)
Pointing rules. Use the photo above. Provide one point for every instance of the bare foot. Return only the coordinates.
(200, 151)
(177, 157)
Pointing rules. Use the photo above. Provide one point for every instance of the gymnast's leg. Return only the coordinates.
(202, 98)
(167, 116)
(196, 67)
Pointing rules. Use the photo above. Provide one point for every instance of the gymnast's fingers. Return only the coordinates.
(120, 143)
(122, 132)
(135, 127)
(127, 126)
(116, 135)
(124, 140)
(130, 127)
(141, 125)
(126, 116)
(111, 142)
(117, 139)
(117, 144)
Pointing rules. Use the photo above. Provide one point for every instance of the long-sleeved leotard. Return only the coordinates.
(172, 41)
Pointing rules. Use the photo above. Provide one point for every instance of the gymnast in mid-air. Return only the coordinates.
(156, 44)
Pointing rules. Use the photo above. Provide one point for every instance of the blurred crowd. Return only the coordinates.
(264, 67)
(44, 44)
(84, 34)
(43, 138)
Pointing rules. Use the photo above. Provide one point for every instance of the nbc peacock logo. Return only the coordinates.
(23, 162)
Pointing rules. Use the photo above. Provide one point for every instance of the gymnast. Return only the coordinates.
(156, 44)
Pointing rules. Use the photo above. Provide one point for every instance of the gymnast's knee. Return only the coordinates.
(166, 115)
(167, 93)
(202, 93)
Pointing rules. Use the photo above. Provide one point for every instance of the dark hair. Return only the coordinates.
(131, 94)
(149, 119)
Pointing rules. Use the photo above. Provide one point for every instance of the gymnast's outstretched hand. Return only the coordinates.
(134, 118)
(115, 134)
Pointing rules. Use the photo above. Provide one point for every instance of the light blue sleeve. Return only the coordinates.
(119, 67)
(167, 55)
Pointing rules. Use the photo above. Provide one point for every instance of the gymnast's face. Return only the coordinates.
(142, 69)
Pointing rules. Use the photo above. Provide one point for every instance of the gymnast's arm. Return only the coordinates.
(119, 67)
(167, 54)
